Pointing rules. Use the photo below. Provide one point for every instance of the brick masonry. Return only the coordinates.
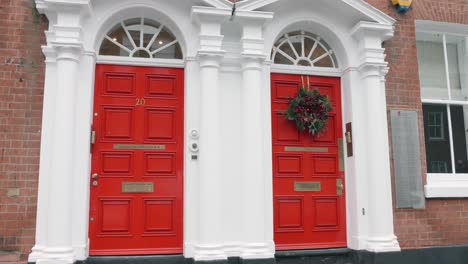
(443, 222)
(21, 94)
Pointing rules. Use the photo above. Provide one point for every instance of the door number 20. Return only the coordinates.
(140, 101)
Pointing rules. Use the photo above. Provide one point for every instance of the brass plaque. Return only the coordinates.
(340, 154)
(137, 187)
(304, 149)
(138, 146)
(307, 187)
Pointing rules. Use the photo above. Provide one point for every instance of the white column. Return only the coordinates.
(255, 199)
(374, 129)
(253, 181)
(210, 207)
(210, 244)
(380, 210)
(45, 160)
(59, 247)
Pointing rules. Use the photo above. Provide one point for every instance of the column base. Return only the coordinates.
(36, 253)
(258, 251)
(389, 244)
(56, 256)
(209, 252)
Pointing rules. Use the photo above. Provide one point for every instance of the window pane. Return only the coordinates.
(459, 116)
(457, 62)
(431, 62)
(436, 138)
(142, 38)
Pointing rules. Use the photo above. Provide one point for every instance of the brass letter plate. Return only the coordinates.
(307, 187)
(137, 187)
(136, 146)
(304, 149)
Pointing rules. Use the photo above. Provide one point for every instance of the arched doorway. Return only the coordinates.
(308, 170)
(136, 197)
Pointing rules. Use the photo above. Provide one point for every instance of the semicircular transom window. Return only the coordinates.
(141, 38)
(303, 49)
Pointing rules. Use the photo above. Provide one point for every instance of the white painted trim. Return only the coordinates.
(371, 11)
(450, 185)
(254, 4)
(130, 61)
(446, 185)
(288, 69)
(363, 7)
(428, 26)
(219, 3)
(439, 101)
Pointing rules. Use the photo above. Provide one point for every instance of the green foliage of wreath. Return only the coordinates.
(310, 110)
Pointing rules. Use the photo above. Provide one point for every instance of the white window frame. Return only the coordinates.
(439, 163)
(439, 126)
(445, 185)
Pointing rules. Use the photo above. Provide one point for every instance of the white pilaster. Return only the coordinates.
(209, 241)
(256, 238)
(82, 144)
(45, 160)
(381, 235)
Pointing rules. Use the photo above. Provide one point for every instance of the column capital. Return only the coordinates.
(252, 61)
(368, 69)
(211, 59)
(68, 52)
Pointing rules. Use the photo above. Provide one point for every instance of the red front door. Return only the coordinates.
(309, 201)
(137, 161)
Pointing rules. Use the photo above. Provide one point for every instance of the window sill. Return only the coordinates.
(446, 186)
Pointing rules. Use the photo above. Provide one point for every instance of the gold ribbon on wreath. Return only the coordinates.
(307, 88)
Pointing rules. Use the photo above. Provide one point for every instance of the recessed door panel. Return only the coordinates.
(136, 178)
(160, 124)
(309, 203)
(119, 84)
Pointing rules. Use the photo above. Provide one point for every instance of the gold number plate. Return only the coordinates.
(307, 187)
(137, 187)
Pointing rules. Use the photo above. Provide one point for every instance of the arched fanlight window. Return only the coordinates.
(303, 49)
(141, 38)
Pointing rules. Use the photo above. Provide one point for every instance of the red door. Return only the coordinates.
(309, 200)
(137, 161)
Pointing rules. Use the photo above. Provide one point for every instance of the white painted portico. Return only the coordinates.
(228, 206)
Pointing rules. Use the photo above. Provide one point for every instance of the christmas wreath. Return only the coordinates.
(310, 110)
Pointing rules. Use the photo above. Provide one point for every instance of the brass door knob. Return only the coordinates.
(95, 176)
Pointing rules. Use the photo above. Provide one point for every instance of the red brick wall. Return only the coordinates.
(444, 221)
(21, 90)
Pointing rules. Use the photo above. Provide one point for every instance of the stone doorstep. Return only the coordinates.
(9, 256)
